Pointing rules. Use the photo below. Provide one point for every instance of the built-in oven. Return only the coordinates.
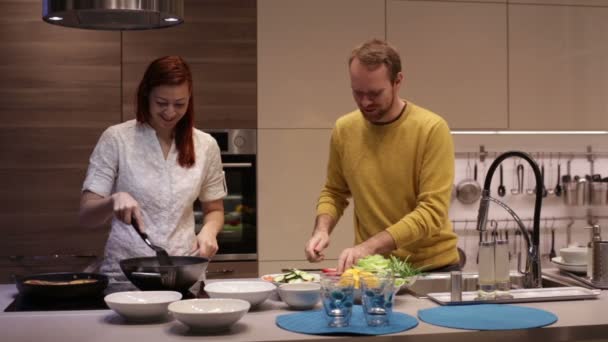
(237, 255)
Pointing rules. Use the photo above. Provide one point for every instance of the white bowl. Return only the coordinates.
(300, 296)
(141, 305)
(255, 292)
(574, 255)
(209, 314)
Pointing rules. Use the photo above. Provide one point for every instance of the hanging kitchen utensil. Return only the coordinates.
(501, 187)
(468, 190)
(530, 189)
(550, 189)
(161, 253)
(552, 253)
(558, 186)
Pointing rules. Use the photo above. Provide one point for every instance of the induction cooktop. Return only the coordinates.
(28, 303)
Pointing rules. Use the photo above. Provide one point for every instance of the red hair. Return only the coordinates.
(170, 70)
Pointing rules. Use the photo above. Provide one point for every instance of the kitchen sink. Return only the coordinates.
(440, 282)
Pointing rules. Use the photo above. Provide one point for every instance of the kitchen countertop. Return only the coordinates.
(577, 321)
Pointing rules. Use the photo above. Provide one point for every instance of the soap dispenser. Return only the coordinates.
(595, 235)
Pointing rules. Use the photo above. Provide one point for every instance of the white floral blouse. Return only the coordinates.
(128, 158)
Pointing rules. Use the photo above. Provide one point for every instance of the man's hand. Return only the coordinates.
(349, 256)
(315, 246)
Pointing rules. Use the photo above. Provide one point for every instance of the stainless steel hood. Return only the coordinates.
(114, 14)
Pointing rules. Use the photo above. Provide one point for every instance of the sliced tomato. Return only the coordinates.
(329, 270)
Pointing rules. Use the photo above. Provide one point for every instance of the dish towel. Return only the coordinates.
(487, 317)
(315, 323)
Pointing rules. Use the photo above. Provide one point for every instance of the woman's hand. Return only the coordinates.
(125, 208)
(205, 245)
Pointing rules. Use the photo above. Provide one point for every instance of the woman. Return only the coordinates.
(152, 169)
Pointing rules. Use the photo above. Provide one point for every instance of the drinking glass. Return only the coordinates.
(337, 292)
(487, 275)
(501, 269)
(377, 296)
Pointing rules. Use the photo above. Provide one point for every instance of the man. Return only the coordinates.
(396, 160)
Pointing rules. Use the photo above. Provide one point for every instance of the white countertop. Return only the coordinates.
(577, 320)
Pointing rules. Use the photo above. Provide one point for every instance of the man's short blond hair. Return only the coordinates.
(376, 52)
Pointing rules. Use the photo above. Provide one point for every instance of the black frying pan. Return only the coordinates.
(72, 290)
(147, 274)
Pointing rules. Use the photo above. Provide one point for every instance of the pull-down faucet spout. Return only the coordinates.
(532, 273)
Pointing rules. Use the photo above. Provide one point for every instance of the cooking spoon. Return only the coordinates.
(501, 187)
(161, 253)
(558, 187)
(552, 253)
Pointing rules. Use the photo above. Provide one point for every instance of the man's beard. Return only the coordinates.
(382, 112)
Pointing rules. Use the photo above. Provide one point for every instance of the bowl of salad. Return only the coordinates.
(405, 274)
(293, 276)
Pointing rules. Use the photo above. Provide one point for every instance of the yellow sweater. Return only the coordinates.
(400, 176)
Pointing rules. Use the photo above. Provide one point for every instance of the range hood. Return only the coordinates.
(114, 14)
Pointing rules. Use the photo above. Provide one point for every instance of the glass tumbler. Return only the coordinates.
(337, 292)
(377, 297)
(487, 275)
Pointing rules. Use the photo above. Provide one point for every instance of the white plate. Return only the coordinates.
(559, 262)
(269, 277)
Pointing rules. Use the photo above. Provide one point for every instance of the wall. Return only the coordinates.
(62, 87)
(523, 205)
(474, 62)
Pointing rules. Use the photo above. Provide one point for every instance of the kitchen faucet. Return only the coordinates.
(532, 273)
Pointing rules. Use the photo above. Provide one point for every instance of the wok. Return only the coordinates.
(148, 275)
(70, 290)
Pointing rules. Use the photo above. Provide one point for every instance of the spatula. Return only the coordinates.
(161, 253)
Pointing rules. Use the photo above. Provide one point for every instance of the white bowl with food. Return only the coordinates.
(293, 276)
(574, 255)
(255, 292)
(141, 305)
(212, 314)
(300, 296)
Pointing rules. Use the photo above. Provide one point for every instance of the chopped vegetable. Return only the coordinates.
(294, 276)
(403, 271)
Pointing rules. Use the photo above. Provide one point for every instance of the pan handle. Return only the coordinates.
(146, 275)
(222, 271)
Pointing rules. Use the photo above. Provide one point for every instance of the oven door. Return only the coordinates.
(238, 238)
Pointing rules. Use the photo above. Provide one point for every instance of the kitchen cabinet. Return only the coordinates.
(492, 1)
(303, 50)
(602, 3)
(454, 57)
(558, 67)
(218, 41)
(292, 167)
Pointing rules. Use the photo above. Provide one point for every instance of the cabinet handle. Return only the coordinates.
(222, 271)
(239, 165)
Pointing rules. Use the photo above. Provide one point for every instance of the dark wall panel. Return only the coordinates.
(218, 40)
(60, 88)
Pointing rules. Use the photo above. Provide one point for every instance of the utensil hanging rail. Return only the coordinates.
(482, 154)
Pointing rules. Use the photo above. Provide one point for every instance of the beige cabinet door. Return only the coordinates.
(558, 67)
(603, 3)
(303, 50)
(292, 166)
(454, 57)
(493, 1)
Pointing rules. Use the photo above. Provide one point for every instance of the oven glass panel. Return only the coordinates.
(240, 207)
